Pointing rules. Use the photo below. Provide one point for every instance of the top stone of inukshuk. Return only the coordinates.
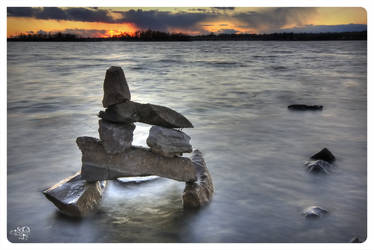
(113, 155)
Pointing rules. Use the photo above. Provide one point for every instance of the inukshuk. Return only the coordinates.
(113, 155)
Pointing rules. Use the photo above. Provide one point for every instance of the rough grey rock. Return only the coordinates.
(319, 166)
(116, 137)
(199, 193)
(116, 89)
(129, 112)
(325, 155)
(303, 107)
(314, 212)
(168, 142)
(135, 161)
(76, 197)
(355, 240)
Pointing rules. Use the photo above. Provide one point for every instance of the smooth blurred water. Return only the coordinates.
(236, 94)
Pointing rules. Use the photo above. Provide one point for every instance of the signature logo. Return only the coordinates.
(21, 232)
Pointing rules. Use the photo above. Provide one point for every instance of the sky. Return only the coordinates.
(106, 22)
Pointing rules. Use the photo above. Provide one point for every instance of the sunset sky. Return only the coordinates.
(105, 22)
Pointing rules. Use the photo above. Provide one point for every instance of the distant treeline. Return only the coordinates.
(150, 35)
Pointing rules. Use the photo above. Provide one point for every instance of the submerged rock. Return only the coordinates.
(199, 193)
(116, 137)
(303, 107)
(129, 112)
(135, 161)
(314, 212)
(319, 166)
(75, 196)
(325, 155)
(355, 240)
(116, 89)
(168, 142)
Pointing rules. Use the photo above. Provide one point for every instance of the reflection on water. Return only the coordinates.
(236, 94)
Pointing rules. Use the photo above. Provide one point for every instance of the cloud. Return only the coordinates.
(275, 18)
(68, 14)
(163, 20)
(227, 31)
(224, 8)
(327, 28)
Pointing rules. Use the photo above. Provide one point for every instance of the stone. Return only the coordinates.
(116, 137)
(355, 240)
(168, 142)
(325, 155)
(314, 212)
(319, 166)
(129, 112)
(303, 107)
(75, 196)
(199, 193)
(116, 89)
(135, 161)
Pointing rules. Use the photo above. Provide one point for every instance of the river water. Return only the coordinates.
(236, 94)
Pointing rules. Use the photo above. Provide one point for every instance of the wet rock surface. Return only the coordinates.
(319, 166)
(325, 155)
(129, 112)
(314, 212)
(116, 89)
(116, 137)
(75, 196)
(199, 193)
(168, 142)
(303, 107)
(135, 161)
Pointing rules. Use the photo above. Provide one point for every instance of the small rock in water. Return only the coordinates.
(199, 193)
(303, 107)
(314, 212)
(76, 197)
(116, 89)
(129, 112)
(319, 166)
(355, 240)
(116, 137)
(325, 155)
(168, 142)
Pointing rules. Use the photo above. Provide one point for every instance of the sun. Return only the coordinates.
(111, 33)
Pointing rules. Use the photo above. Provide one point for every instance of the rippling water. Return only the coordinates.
(236, 94)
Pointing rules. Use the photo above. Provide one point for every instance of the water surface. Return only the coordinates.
(236, 94)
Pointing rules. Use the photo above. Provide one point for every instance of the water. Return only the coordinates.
(236, 94)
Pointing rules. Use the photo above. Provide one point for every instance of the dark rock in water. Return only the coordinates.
(168, 142)
(76, 197)
(199, 193)
(116, 89)
(135, 161)
(314, 212)
(325, 155)
(319, 166)
(116, 137)
(129, 112)
(303, 107)
(355, 240)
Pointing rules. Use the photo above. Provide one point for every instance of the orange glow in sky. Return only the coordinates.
(219, 21)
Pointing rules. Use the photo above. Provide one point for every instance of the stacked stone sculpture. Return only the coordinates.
(113, 155)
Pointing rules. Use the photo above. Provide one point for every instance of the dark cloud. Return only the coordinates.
(224, 8)
(163, 20)
(275, 18)
(327, 28)
(85, 32)
(227, 31)
(68, 14)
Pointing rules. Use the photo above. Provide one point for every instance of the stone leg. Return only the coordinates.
(199, 193)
